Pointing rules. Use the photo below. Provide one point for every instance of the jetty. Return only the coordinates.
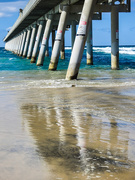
(29, 36)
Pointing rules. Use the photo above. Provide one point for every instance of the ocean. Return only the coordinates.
(51, 128)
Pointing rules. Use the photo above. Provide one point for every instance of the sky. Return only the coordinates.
(9, 12)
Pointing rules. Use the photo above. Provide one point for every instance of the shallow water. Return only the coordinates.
(51, 130)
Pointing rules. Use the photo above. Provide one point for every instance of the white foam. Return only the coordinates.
(127, 50)
(10, 59)
(122, 50)
(68, 48)
(102, 49)
(62, 83)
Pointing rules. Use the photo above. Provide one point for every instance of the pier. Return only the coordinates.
(29, 36)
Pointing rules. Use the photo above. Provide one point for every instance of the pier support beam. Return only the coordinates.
(17, 44)
(20, 43)
(53, 37)
(37, 42)
(23, 43)
(46, 35)
(58, 39)
(114, 38)
(83, 29)
(27, 43)
(47, 49)
(73, 32)
(62, 52)
(32, 40)
(89, 47)
(14, 45)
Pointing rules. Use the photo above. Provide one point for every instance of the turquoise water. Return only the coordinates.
(102, 60)
(14, 68)
(51, 128)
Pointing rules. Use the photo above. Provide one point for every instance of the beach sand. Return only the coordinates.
(67, 133)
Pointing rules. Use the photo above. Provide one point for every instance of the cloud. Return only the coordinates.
(4, 15)
(106, 30)
(8, 29)
(132, 9)
(1, 14)
(8, 8)
(132, 5)
(132, 28)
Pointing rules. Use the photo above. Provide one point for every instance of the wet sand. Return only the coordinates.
(67, 133)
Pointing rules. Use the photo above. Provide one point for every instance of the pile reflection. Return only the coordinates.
(73, 141)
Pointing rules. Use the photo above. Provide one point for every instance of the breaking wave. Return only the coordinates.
(122, 50)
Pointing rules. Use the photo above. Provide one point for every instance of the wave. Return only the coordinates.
(122, 50)
(102, 49)
(11, 59)
(68, 48)
(127, 50)
(62, 83)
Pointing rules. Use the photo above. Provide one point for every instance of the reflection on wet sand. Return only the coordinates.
(77, 143)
